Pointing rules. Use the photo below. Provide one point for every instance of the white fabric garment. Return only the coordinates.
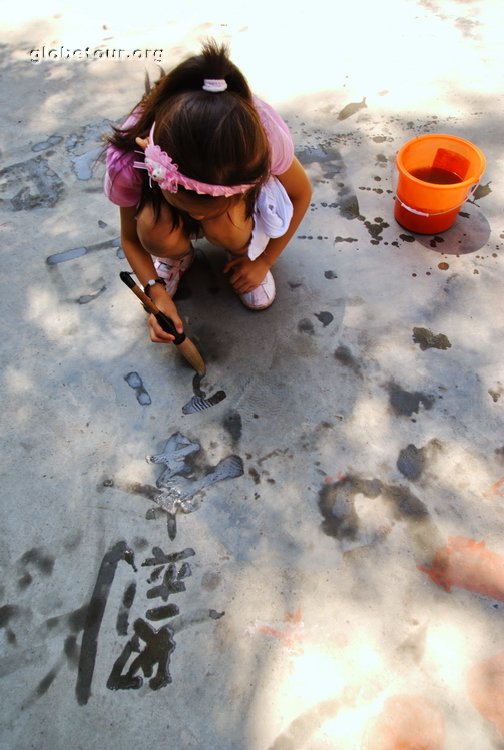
(272, 216)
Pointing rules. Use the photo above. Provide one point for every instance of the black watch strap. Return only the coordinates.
(151, 282)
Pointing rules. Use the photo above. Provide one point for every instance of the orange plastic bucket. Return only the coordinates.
(435, 175)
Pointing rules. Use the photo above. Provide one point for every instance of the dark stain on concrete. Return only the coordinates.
(24, 581)
(159, 647)
(210, 580)
(7, 612)
(84, 164)
(339, 239)
(306, 326)
(349, 205)
(126, 604)
(134, 381)
(428, 340)
(232, 423)
(406, 504)
(404, 403)
(345, 357)
(53, 140)
(481, 192)
(333, 169)
(496, 392)
(30, 184)
(85, 298)
(351, 109)
(255, 475)
(337, 504)
(375, 229)
(36, 558)
(330, 274)
(94, 617)
(76, 619)
(411, 462)
(71, 254)
(72, 651)
(46, 682)
(378, 191)
(78, 252)
(325, 317)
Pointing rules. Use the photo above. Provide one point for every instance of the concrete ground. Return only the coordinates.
(316, 561)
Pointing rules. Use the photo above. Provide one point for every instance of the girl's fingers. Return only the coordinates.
(231, 264)
(179, 326)
(156, 332)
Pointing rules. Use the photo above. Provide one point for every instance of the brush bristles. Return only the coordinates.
(192, 355)
(186, 346)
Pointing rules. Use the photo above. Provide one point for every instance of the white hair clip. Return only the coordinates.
(215, 85)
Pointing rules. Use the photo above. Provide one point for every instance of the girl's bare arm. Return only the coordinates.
(299, 190)
(143, 266)
(247, 274)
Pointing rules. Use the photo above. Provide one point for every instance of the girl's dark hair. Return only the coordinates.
(216, 138)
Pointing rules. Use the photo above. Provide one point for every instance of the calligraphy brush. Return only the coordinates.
(185, 345)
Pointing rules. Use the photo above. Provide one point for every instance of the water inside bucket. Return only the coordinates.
(435, 175)
(447, 168)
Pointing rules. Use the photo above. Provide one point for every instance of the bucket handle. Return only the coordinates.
(437, 213)
(414, 210)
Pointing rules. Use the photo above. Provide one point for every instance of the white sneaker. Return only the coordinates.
(172, 269)
(262, 296)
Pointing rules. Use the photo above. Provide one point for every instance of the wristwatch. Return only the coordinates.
(151, 282)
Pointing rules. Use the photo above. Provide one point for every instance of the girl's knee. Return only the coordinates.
(160, 236)
(224, 233)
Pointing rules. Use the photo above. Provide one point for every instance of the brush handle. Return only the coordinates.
(167, 325)
(163, 320)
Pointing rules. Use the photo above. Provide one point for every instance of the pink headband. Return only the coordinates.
(162, 170)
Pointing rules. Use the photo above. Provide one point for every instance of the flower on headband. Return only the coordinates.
(158, 173)
(161, 168)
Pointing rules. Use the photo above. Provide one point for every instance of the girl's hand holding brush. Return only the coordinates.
(165, 304)
(185, 345)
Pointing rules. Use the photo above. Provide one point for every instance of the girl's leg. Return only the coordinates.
(233, 231)
(168, 244)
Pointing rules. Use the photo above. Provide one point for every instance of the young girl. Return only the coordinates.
(201, 156)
